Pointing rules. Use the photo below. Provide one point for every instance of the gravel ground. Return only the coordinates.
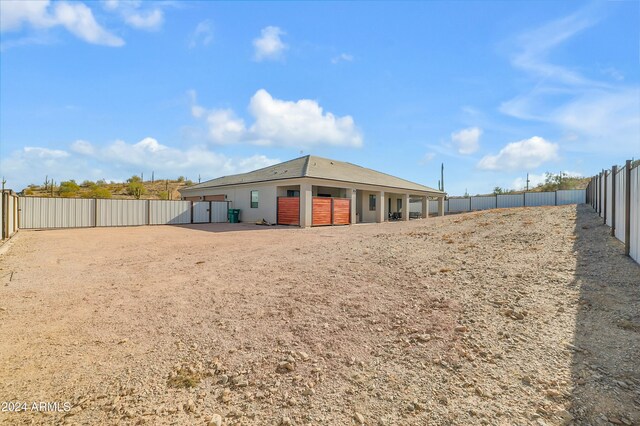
(503, 317)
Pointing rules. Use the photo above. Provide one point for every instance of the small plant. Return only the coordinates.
(183, 378)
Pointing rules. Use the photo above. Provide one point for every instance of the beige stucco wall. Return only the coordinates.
(240, 198)
(366, 215)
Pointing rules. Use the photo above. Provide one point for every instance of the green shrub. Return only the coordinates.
(136, 188)
(99, 192)
(68, 188)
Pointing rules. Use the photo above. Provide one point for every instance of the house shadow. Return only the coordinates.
(233, 227)
(606, 346)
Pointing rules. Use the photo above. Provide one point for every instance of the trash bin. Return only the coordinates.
(234, 215)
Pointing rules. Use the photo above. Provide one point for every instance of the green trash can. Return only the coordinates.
(234, 215)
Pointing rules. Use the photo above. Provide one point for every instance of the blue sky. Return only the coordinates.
(495, 90)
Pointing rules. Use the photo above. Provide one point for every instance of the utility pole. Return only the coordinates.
(152, 172)
(142, 177)
(442, 176)
(198, 178)
(527, 181)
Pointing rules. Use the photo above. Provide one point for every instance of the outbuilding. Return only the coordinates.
(314, 191)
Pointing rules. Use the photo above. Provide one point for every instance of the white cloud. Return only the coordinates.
(111, 4)
(467, 141)
(298, 124)
(136, 15)
(522, 155)
(343, 57)
(44, 153)
(77, 18)
(269, 45)
(151, 20)
(595, 116)
(14, 14)
(202, 35)
(119, 160)
(225, 127)
(536, 45)
(150, 154)
(82, 147)
(254, 162)
(301, 123)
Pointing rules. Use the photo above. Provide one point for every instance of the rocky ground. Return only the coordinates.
(514, 316)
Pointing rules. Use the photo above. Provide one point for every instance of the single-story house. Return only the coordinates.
(311, 191)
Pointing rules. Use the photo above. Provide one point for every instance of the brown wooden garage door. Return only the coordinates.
(288, 210)
(341, 211)
(321, 211)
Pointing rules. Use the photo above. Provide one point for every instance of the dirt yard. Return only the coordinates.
(503, 317)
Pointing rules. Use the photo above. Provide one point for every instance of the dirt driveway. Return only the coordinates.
(515, 316)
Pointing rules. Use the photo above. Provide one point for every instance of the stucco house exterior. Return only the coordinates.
(312, 191)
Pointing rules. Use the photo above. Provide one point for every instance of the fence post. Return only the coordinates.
(4, 216)
(470, 203)
(614, 170)
(599, 210)
(627, 208)
(524, 199)
(191, 210)
(604, 204)
(556, 197)
(598, 193)
(148, 212)
(95, 212)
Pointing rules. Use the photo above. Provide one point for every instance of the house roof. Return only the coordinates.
(312, 166)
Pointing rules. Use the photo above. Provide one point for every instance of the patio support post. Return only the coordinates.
(440, 206)
(380, 206)
(405, 207)
(305, 205)
(425, 207)
(352, 193)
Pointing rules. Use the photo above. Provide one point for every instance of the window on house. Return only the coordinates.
(293, 193)
(254, 199)
(372, 202)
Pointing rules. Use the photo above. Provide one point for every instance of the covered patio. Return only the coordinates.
(318, 205)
